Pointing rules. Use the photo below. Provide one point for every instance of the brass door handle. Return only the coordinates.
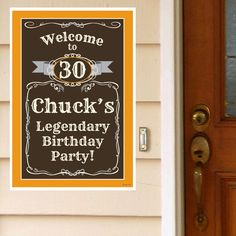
(200, 152)
(197, 176)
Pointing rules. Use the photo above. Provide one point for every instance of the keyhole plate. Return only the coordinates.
(200, 149)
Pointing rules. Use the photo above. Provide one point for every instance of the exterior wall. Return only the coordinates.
(95, 213)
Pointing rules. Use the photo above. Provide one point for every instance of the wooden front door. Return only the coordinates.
(210, 82)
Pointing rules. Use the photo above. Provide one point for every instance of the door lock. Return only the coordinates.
(200, 117)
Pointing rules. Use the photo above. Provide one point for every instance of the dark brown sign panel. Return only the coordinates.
(72, 93)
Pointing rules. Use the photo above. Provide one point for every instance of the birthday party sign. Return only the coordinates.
(72, 98)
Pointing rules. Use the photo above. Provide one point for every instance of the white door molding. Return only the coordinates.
(171, 118)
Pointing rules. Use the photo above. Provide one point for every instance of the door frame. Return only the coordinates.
(172, 162)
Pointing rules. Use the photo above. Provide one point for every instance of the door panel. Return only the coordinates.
(204, 82)
(226, 195)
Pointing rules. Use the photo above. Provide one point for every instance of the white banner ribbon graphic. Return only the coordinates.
(99, 68)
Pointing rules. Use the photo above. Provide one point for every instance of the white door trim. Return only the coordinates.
(172, 180)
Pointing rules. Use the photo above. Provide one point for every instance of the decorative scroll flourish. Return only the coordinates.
(59, 88)
(33, 25)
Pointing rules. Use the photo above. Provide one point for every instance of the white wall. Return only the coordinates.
(98, 213)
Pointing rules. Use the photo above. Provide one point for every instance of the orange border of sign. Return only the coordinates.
(17, 15)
